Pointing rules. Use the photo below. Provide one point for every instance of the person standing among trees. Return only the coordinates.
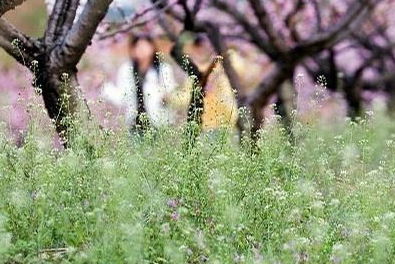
(219, 102)
(144, 84)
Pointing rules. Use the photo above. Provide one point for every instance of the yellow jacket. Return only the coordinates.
(220, 105)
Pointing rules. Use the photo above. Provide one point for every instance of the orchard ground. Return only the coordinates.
(109, 199)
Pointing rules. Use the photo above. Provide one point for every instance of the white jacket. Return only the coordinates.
(157, 85)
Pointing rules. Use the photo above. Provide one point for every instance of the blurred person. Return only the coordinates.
(220, 106)
(143, 86)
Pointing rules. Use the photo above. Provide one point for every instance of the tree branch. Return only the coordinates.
(53, 23)
(7, 5)
(197, 6)
(267, 25)
(181, 59)
(353, 17)
(289, 20)
(251, 29)
(189, 18)
(317, 14)
(260, 97)
(81, 33)
(21, 47)
(134, 22)
(71, 12)
(269, 86)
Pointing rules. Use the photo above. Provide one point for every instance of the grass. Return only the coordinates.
(328, 199)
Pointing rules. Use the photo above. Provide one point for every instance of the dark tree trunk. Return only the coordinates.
(53, 57)
(391, 104)
(257, 120)
(352, 94)
(354, 103)
(285, 105)
(261, 96)
(60, 94)
(391, 98)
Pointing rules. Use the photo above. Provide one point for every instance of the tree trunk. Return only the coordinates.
(354, 100)
(391, 104)
(261, 96)
(285, 105)
(53, 57)
(257, 119)
(388, 82)
(391, 100)
(59, 89)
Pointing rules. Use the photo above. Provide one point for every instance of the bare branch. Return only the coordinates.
(197, 6)
(21, 47)
(258, 39)
(261, 95)
(317, 14)
(289, 20)
(71, 12)
(189, 18)
(81, 33)
(60, 21)
(353, 17)
(267, 25)
(53, 21)
(7, 5)
(269, 86)
(134, 22)
(182, 60)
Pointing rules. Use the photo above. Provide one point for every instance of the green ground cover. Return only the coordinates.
(327, 199)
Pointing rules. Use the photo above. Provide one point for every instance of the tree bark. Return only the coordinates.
(354, 104)
(285, 105)
(53, 57)
(261, 96)
(6, 5)
(59, 91)
(391, 103)
(352, 93)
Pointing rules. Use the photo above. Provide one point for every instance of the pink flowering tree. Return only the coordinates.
(285, 32)
(365, 61)
(53, 58)
(314, 34)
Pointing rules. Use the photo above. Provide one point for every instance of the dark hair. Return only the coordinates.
(141, 125)
(133, 39)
